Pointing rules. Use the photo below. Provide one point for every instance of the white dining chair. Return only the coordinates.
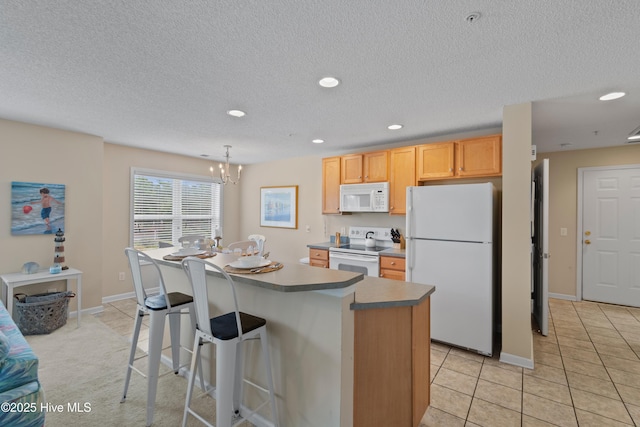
(243, 245)
(192, 241)
(158, 307)
(228, 332)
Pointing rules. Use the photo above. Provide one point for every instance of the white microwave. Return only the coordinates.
(373, 197)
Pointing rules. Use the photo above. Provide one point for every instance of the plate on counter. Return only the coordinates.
(188, 252)
(239, 265)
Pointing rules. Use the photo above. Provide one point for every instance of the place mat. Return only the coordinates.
(181, 257)
(268, 269)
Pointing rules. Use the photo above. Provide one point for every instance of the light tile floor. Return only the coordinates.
(587, 372)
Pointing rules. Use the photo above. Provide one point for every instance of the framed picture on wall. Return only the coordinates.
(279, 207)
(37, 208)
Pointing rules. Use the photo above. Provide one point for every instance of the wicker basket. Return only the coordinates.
(42, 313)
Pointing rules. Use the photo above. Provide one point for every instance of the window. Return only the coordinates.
(166, 206)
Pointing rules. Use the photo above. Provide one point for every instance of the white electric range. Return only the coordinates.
(356, 256)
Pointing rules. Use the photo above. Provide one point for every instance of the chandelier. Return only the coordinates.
(225, 170)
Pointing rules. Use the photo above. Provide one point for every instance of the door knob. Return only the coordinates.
(587, 233)
(587, 242)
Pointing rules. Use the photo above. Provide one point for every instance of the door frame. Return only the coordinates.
(579, 228)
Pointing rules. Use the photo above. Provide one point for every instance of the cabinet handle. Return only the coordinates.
(450, 169)
(366, 176)
(391, 208)
(461, 169)
(393, 263)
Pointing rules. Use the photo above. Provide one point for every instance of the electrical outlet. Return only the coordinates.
(308, 228)
(563, 231)
(121, 276)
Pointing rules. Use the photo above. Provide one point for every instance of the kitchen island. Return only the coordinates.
(337, 356)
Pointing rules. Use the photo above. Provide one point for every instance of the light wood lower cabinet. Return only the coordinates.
(392, 267)
(319, 258)
(391, 365)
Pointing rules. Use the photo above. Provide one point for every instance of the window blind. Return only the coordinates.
(167, 206)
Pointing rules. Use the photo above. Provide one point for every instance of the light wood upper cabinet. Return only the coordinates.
(474, 157)
(376, 166)
(351, 169)
(402, 175)
(436, 161)
(479, 156)
(331, 185)
(366, 167)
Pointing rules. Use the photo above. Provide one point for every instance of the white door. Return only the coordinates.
(611, 235)
(540, 240)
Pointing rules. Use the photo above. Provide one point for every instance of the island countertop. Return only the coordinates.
(370, 292)
(293, 277)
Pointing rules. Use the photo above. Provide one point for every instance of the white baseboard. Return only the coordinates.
(563, 296)
(92, 310)
(516, 360)
(119, 297)
(127, 295)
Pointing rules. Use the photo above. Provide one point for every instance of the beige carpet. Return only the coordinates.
(87, 365)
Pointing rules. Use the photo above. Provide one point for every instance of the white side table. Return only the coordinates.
(15, 280)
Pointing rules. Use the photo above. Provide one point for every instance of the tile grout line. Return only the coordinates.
(605, 366)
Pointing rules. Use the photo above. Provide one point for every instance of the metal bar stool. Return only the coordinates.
(227, 332)
(157, 307)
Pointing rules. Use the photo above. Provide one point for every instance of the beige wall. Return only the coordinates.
(40, 154)
(517, 340)
(118, 161)
(563, 195)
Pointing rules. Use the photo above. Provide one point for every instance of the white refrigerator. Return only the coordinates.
(450, 234)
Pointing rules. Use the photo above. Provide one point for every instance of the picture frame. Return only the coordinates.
(279, 206)
(37, 208)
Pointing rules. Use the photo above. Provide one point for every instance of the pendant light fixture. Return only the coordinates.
(225, 171)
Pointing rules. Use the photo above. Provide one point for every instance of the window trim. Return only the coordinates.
(171, 175)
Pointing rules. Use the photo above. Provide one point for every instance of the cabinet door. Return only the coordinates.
(403, 175)
(479, 156)
(331, 185)
(392, 274)
(436, 161)
(319, 258)
(376, 166)
(352, 169)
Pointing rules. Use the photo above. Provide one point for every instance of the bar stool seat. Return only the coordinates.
(158, 307)
(228, 332)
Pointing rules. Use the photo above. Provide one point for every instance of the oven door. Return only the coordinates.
(368, 265)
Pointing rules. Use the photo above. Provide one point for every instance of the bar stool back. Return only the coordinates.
(227, 332)
(157, 307)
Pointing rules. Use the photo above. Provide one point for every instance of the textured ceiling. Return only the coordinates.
(161, 75)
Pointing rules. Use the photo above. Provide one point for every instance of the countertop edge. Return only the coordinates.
(247, 279)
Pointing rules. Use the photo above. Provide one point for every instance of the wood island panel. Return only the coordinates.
(391, 365)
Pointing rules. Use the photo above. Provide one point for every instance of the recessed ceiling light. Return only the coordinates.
(236, 113)
(318, 141)
(329, 82)
(612, 96)
(395, 127)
